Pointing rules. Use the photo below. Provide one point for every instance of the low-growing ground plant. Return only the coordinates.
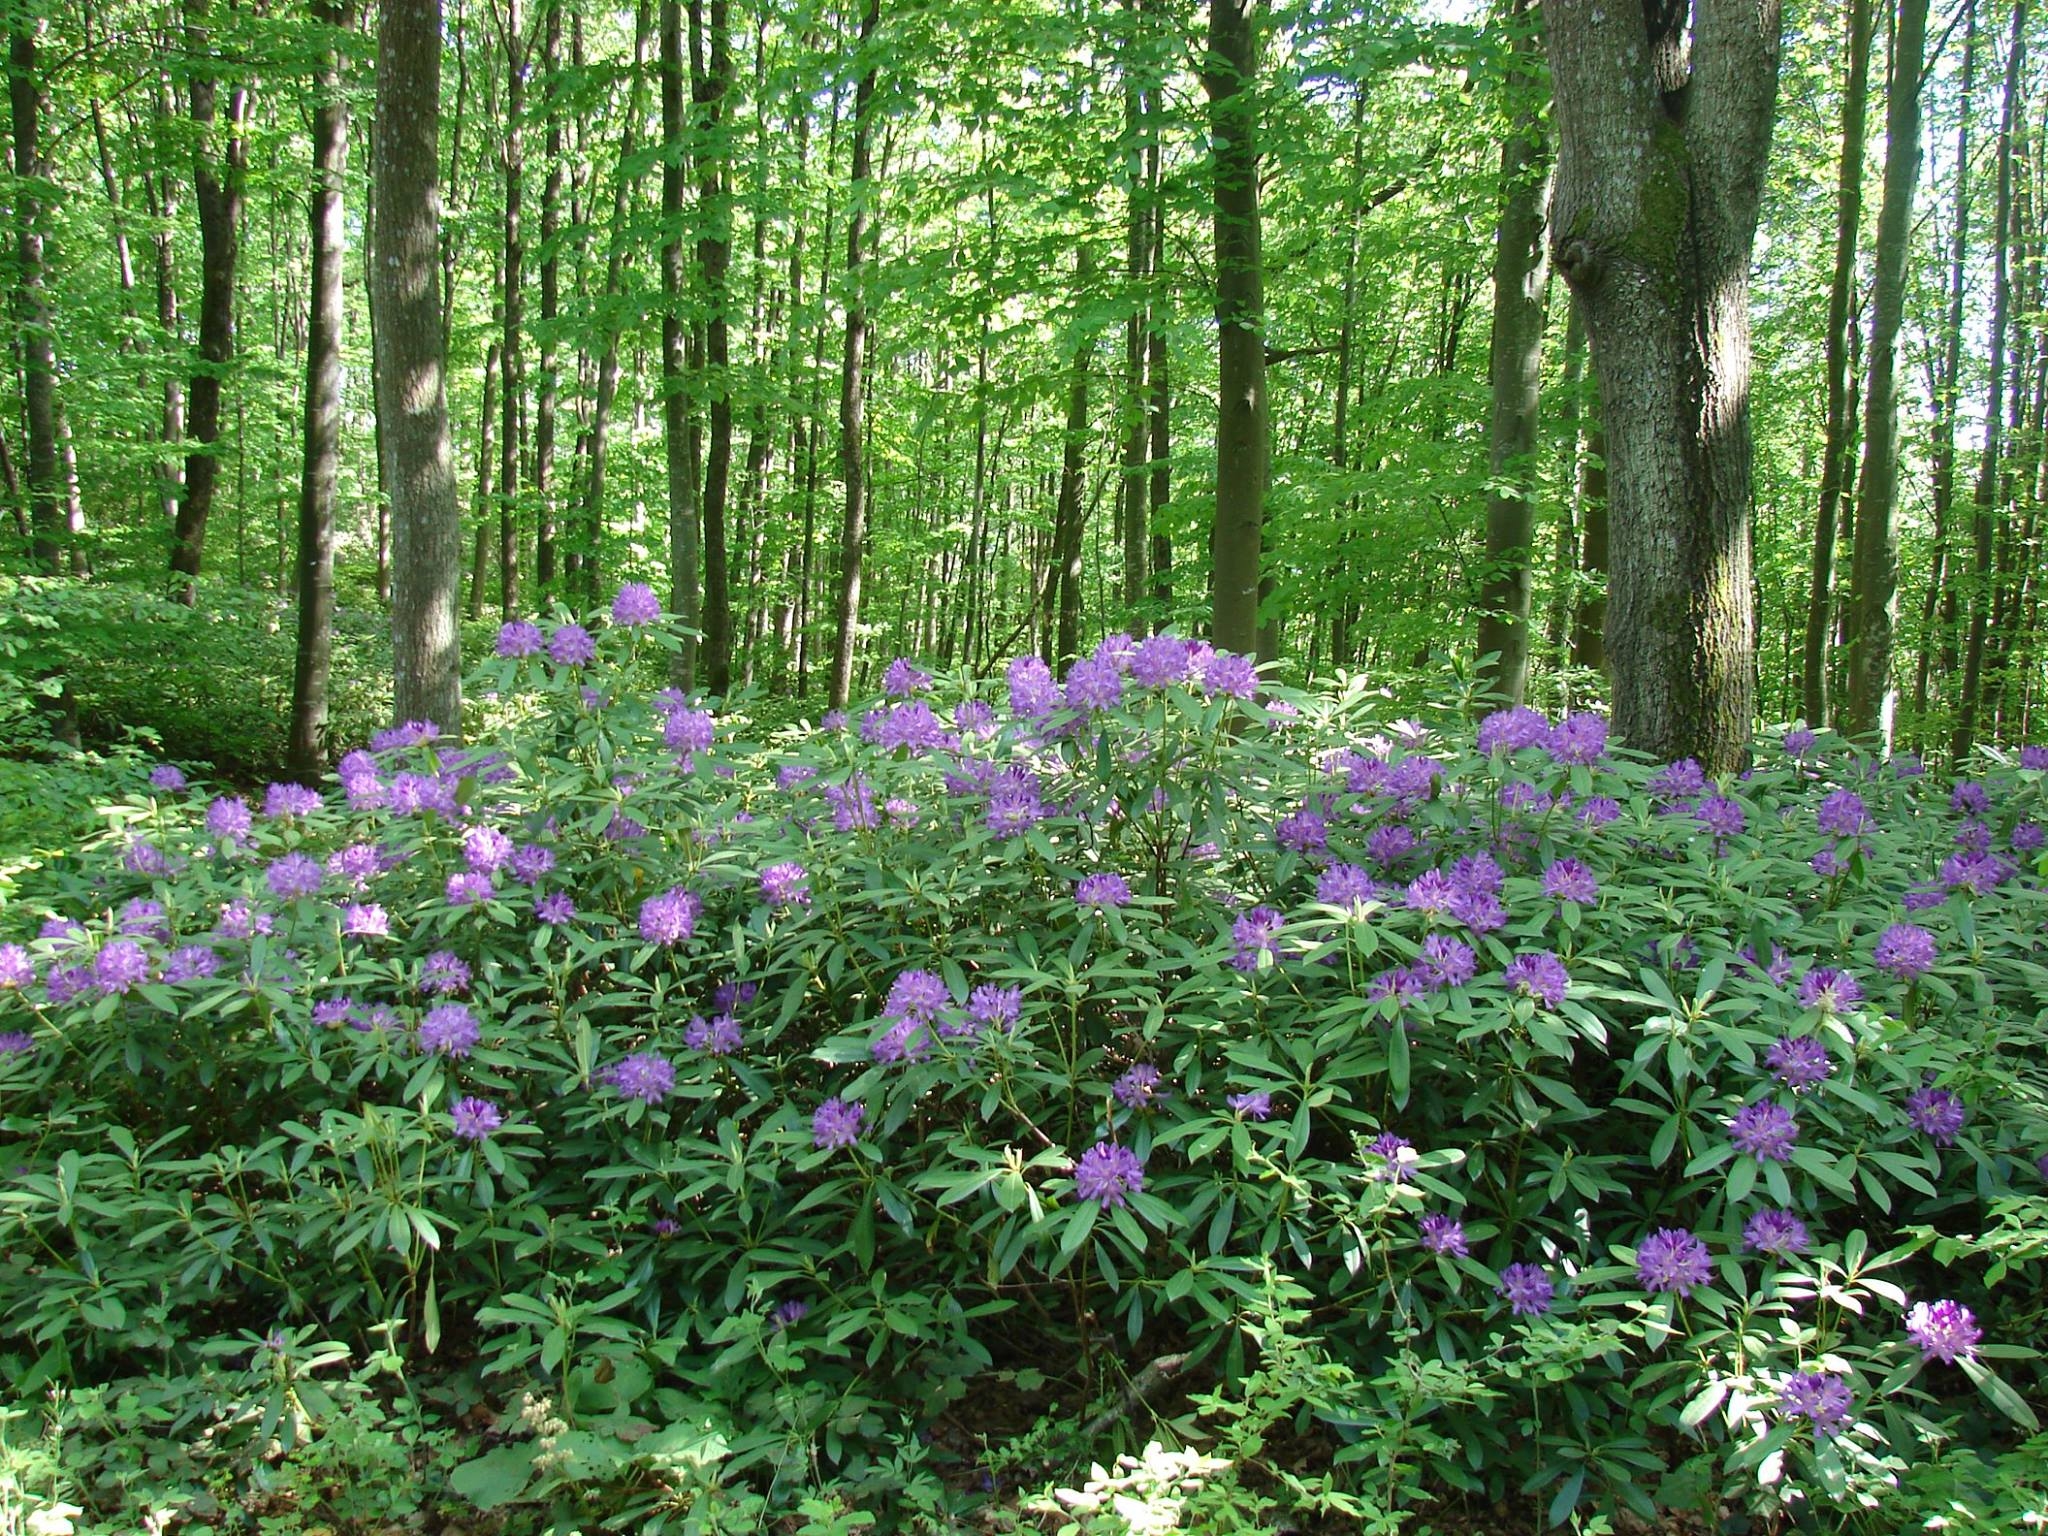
(704, 1122)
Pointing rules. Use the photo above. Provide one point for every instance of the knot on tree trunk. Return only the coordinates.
(1578, 261)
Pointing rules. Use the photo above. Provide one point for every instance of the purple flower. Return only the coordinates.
(1256, 933)
(1937, 1114)
(1677, 784)
(671, 917)
(1397, 1158)
(167, 777)
(1230, 674)
(191, 962)
(518, 638)
(836, 1123)
(1843, 814)
(903, 679)
(1032, 691)
(1721, 816)
(1672, 1259)
(65, 982)
(1969, 798)
(1138, 1087)
(468, 888)
(789, 1312)
(571, 646)
(1538, 974)
(1510, 730)
(283, 801)
(294, 875)
(485, 849)
(1441, 1234)
(1800, 1063)
(1093, 684)
(1446, 962)
(904, 1040)
(647, 1076)
(1799, 741)
(1944, 1330)
(1160, 662)
(1765, 1130)
(365, 921)
(474, 1119)
(918, 996)
(1905, 951)
(1253, 1106)
(1598, 810)
(1829, 990)
(1822, 1398)
(717, 1036)
(785, 885)
(1527, 1289)
(356, 865)
(228, 818)
(1430, 893)
(445, 974)
(1346, 885)
(1569, 880)
(2034, 758)
(529, 862)
(993, 1007)
(1106, 1173)
(1102, 890)
(120, 965)
(1305, 831)
(16, 969)
(144, 919)
(555, 909)
(1777, 1233)
(635, 604)
(1390, 843)
(1579, 739)
(1828, 864)
(450, 1029)
(689, 730)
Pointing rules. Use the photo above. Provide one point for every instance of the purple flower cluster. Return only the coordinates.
(1905, 951)
(1799, 1062)
(1538, 974)
(1765, 1130)
(1944, 1330)
(1822, 1398)
(1108, 1173)
(1672, 1260)
(836, 1123)
(1105, 889)
(1935, 1113)
(647, 1076)
(670, 918)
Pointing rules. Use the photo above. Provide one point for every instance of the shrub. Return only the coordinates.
(731, 1102)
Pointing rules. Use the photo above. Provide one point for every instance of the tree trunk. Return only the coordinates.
(511, 375)
(1872, 600)
(320, 476)
(1229, 74)
(683, 529)
(1589, 628)
(1841, 410)
(1661, 158)
(32, 304)
(1137, 257)
(1159, 386)
(217, 193)
(547, 389)
(1069, 516)
(483, 497)
(1565, 552)
(412, 401)
(1984, 504)
(711, 79)
(852, 376)
(1521, 279)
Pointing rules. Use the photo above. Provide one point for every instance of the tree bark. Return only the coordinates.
(683, 530)
(1521, 279)
(1874, 559)
(1137, 259)
(38, 343)
(1069, 515)
(511, 374)
(1661, 159)
(1841, 421)
(711, 72)
(852, 375)
(412, 402)
(1243, 430)
(547, 389)
(320, 473)
(217, 194)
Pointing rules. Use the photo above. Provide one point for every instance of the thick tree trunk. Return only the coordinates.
(1874, 561)
(711, 72)
(852, 375)
(1984, 504)
(1521, 279)
(412, 402)
(1841, 422)
(217, 193)
(1661, 158)
(1243, 431)
(320, 474)
(683, 532)
(32, 304)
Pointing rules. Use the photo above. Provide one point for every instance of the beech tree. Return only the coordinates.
(1663, 115)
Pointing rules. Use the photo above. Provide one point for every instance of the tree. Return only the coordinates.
(38, 343)
(853, 528)
(677, 441)
(1229, 75)
(511, 369)
(1662, 143)
(320, 476)
(1874, 561)
(1521, 279)
(412, 400)
(711, 83)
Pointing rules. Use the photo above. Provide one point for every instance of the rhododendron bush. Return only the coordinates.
(767, 1091)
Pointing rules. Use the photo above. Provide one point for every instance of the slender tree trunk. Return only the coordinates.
(511, 373)
(1069, 516)
(1661, 158)
(1984, 504)
(1589, 628)
(1229, 75)
(412, 402)
(164, 207)
(1841, 421)
(38, 343)
(712, 82)
(1874, 560)
(483, 499)
(1565, 552)
(217, 192)
(852, 376)
(320, 474)
(675, 404)
(1521, 279)
(1137, 258)
(547, 387)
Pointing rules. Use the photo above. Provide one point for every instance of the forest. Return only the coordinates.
(1078, 766)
